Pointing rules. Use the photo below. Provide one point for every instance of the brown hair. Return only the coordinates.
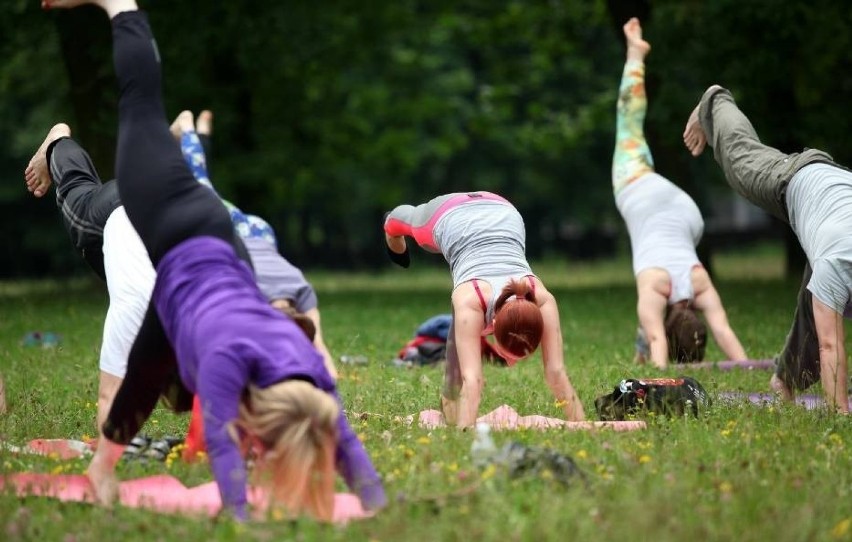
(295, 424)
(518, 325)
(686, 334)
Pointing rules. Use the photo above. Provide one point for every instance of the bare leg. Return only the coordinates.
(693, 135)
(184, 122)
(37, 174)
(204, 124)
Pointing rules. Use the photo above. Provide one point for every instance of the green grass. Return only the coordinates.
(738, 473)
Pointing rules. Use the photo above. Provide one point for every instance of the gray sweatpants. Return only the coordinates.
(761, 174)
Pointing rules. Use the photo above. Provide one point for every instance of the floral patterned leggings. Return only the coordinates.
(632, 157)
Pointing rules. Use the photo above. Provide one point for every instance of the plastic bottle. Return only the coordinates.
(483, 449)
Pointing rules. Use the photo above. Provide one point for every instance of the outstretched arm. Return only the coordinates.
(832, 355)
(314, 315)
(651, 307)
(464, 381)
(552, 354)
(710, 304)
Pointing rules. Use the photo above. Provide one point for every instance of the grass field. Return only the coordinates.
(739, 473)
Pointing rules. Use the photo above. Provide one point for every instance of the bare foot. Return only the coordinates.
(184, 122)
(37, 174)
(204, 124)
(779, 387)
(63, 4)
(112, 7)
(637, 48)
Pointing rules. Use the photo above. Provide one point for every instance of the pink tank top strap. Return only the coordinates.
(532, 284)
(481, 297)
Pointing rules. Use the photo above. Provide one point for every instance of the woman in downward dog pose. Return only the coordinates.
(259, 379)
(482, 237)
(665, 225)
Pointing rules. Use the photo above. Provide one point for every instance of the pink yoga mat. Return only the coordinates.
(160, 493)
(748, 364)
(506, 417)
(808, 401)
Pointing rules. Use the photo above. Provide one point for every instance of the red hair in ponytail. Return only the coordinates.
(518, 324)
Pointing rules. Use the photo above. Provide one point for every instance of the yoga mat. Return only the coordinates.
(54, 447)
(505, 417)
(748, 364)
(808, 401)
(159, 493)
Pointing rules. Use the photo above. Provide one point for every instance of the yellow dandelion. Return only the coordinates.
(645, 459)
(488, 472)
(546, 474)
(725, 432)
(840, 530)
(453, 467)
(424, 440)
(726, 487)
(582, 454)
(57, 469)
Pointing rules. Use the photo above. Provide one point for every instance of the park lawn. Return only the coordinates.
(738, 473)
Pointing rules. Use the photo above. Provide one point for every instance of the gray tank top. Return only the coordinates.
(483, 239)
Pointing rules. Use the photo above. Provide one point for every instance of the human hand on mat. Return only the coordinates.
(101, 472)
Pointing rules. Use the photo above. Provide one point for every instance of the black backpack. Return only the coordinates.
(663, 396)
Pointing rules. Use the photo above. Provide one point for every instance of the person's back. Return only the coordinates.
(664, 223)
(482, 237)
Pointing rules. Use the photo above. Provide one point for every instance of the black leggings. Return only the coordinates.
(165, 204)
(163, 200)
(84, 202)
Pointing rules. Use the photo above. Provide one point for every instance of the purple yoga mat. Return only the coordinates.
(808, 401)
(749, 364)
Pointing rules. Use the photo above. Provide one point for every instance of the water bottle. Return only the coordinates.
(483, 449)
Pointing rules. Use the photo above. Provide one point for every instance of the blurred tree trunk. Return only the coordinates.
(86, 41)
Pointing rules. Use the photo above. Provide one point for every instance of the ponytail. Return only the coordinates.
(518, 324)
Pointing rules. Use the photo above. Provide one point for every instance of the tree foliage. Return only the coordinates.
(328, 114)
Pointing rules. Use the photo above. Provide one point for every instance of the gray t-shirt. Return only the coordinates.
(277, 278)
(819, 201)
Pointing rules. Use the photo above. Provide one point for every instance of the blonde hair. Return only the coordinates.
(296, 424)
